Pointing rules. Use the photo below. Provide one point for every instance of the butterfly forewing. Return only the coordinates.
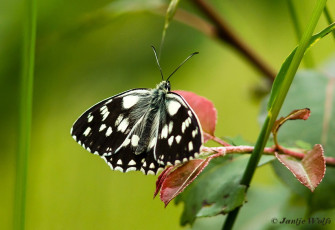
(103, 128)
(179, 135)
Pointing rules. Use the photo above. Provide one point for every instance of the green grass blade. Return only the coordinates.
(25, 116)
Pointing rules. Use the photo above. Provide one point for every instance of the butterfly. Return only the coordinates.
(141, 129)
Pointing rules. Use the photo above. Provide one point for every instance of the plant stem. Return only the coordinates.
(329, 18)
(25, 117)
(278, 102)
(225, 33)
(222, 151)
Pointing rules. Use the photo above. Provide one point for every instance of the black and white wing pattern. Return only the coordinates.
(104, 127)
(179, 135)
(141, 130)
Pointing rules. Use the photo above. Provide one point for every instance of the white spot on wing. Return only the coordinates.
(152, 166)
(173, 107)
(118, 120)
(170, 126)
(109, 101)
(134, 140)
(132, 162)
(109, 131)
(117, 168)
(183, 127)
(87, 131)
(164, 133)
(150, 172)
(103, 108)
(188, 121)
(90, 118)
(102, 127)
(126, 142)
(170, 141)
(123, 125)
(178, 138)
(190, 146)
(105, 115)
(131, 169)
(119, 162)
(129, 101)
(194, 132)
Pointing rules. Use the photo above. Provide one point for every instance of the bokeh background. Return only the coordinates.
(84, 55)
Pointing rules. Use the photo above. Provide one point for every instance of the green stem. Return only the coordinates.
(273, 111)
(25, 116)
(329, 18)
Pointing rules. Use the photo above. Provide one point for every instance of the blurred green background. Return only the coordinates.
(84, 55)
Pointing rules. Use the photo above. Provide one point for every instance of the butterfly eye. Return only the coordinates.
(168, 87)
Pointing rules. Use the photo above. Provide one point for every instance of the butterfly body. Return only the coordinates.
(141, 129)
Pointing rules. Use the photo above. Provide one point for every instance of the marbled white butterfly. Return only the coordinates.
(141, 129)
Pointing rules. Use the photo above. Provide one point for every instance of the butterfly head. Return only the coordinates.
(165, 86)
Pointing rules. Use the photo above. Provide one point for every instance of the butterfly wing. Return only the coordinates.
(144, 162)
(179, 134)
(104, 128)
(113, 127)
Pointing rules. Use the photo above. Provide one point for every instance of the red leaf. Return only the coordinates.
(205, 111)
(161, 179)
(311, 170)
(176, 181)
(298, 114)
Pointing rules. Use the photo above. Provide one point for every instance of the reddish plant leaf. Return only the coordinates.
(174, 182)
(161, 179)
(298, 114)
(205, 111)
(311, 170)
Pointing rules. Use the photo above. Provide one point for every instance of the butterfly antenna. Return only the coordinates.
(160, 69)
(181, 64)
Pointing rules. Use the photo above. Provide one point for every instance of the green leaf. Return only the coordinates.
(277, 84)
(216, 190)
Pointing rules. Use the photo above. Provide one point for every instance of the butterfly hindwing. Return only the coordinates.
(103, 128)
(179, 134)
(126, 161)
